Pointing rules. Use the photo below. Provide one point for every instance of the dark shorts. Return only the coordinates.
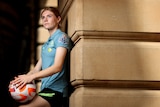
(54, 98)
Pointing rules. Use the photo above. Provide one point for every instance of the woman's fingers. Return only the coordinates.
(18, 82)
(20, 85)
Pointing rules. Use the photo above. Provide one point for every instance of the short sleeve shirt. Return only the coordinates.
(58, 81)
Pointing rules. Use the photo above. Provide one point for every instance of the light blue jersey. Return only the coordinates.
(58, 81)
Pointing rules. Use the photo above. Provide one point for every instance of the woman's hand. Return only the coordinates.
(21, 80)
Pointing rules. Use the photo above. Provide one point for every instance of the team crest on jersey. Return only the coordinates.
(51, 44)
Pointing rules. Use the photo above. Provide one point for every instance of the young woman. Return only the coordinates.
(51, 67)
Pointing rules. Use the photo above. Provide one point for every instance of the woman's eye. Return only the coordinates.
(42, 17)
(49, 15)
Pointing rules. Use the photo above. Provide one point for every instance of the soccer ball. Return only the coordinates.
(24, 94)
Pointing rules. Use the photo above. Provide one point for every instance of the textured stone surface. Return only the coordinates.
(103, 97)
(115, 60)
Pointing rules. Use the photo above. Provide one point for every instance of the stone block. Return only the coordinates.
(111, 59)
(103, 97)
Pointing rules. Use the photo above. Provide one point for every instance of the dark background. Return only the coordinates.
(18, 23)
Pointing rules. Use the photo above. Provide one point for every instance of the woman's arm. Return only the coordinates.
(56, 67)
(21, 80)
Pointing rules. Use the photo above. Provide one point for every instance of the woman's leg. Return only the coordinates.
(37, 102)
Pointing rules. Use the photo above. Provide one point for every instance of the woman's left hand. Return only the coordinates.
(21, 80)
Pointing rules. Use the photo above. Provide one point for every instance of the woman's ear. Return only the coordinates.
(59, 19)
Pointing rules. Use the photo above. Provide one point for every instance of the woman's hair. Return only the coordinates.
(54, 10)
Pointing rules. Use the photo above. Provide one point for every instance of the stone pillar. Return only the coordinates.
(116, 58)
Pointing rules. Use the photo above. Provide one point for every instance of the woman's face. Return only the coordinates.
(49, 20)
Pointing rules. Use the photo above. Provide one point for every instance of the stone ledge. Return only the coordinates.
(139, 36)
(133, 84)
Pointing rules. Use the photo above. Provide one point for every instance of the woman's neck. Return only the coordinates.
(52, 31)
